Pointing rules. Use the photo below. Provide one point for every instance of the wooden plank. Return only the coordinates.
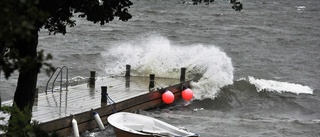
(88, 104)
(98, 104)
(144, 101)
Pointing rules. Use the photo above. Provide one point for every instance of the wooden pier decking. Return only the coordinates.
(55, 110)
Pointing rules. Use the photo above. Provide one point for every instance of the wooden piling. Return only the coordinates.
(183, 75)
(127, 71)
(151, 82)
(104, 95)
(127, 84)
(92, 79)
(127, 75)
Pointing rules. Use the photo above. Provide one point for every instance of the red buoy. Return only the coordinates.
(167, 97)
(187, 94)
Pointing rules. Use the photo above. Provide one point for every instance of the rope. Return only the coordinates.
(158, 84)
(112, 104)
(109, 100)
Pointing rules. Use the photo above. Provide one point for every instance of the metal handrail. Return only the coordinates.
(59, 72)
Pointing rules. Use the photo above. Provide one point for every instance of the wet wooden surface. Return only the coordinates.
(57, 105)
(80, 98)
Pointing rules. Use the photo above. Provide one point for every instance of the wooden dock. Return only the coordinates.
(55, 110)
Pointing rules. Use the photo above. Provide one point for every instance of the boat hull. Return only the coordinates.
(135, 125)
(121, 133)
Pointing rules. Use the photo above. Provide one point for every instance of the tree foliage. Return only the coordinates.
(22, 126)
(21, 18)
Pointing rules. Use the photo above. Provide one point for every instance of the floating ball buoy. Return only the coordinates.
(98, 120)
(75, 128)
(167, 97)
(187, 94)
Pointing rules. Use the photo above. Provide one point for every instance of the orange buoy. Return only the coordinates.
(187, 94)
(167, 97)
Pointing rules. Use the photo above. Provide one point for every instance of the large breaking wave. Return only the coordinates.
(155, 54)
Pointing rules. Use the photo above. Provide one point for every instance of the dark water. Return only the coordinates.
(259, 67)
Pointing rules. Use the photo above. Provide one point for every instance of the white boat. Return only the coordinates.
(135, 125)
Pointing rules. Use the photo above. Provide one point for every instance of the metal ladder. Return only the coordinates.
(59, 71)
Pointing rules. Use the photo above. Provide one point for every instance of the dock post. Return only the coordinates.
(183, 75)
(127, 85)
(92, 79)
(127, 70)
(151, 83)
(103, 95)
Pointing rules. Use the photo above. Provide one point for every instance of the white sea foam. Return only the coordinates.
(155, 54)
(300, 7)
(276, 86)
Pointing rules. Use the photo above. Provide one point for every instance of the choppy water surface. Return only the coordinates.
(259, 67)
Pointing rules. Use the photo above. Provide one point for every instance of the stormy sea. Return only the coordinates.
(258, 69)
